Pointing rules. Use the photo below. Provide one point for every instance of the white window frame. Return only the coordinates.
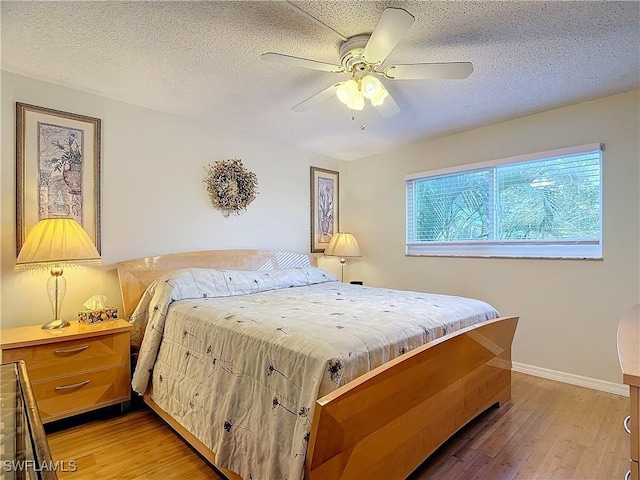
(572, 249)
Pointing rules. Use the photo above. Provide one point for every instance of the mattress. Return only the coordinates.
(239, 358)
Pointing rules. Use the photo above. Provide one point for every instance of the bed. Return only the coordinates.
(225, 359)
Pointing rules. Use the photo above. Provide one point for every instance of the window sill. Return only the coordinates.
(560, 252)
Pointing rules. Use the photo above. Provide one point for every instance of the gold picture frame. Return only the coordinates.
(57, 169)
(325, 199)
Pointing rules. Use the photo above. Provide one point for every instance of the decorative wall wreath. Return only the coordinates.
(231, 187)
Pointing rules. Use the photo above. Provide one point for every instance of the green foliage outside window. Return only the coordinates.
(544, 200)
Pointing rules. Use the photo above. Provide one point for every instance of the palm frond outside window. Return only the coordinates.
(540, 205)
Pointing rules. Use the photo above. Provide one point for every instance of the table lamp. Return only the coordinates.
(54, 243)
(343, 245)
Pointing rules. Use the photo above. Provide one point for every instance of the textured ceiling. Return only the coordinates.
(201, 60)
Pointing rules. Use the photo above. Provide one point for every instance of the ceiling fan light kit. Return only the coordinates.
(353, 92)
(362, 56)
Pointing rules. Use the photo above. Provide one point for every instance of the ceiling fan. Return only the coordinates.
(362, 57)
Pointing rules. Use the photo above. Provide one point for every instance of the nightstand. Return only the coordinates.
(74, 369)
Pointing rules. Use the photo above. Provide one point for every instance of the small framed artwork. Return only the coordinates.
(324, 207)
(57, 169)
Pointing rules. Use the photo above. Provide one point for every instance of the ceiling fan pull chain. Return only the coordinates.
(315, 20)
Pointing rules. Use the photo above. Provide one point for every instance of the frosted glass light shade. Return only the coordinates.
(55, 242)
(378, 98)
(349, 93)
(370, 86)
(346, 91)
(357, 101)
(373, 89)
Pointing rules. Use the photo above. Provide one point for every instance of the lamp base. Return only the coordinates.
(56, 323)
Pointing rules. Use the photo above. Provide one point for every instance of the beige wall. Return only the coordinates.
(569, 309)
(154, 202)
(153, 198)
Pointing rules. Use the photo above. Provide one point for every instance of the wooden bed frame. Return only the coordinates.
(385, 423)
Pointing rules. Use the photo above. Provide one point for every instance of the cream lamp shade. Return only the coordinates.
(343, 245)
(54, 243)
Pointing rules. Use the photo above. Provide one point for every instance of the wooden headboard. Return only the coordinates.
(136, 275)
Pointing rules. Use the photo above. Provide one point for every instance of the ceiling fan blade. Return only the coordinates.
(316, 99)
(429, 71)
(301, 62)
(393, 24)
(315, 20)
(388, 108)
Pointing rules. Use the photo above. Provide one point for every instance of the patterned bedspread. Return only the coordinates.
(239, 358)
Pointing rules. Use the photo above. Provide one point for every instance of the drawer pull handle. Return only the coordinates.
(75, 385)
(627, 475)
(63, 351)
(626, 424)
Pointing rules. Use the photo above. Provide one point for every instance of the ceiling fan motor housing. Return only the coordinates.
(351, 54)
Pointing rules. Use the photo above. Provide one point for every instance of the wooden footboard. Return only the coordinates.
(385, 423)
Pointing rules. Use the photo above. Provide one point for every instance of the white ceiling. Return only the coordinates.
(201, 60)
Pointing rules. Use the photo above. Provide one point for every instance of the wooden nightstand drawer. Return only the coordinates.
(75, 369)
(64, 396)
(72, 356)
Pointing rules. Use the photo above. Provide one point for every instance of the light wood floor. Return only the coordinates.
(548, 430)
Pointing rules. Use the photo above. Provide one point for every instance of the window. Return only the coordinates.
(546, 205)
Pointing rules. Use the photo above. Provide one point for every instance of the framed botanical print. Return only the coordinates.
(57, 169)
(324, 207)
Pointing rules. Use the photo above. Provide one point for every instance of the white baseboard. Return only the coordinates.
(603, 386)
